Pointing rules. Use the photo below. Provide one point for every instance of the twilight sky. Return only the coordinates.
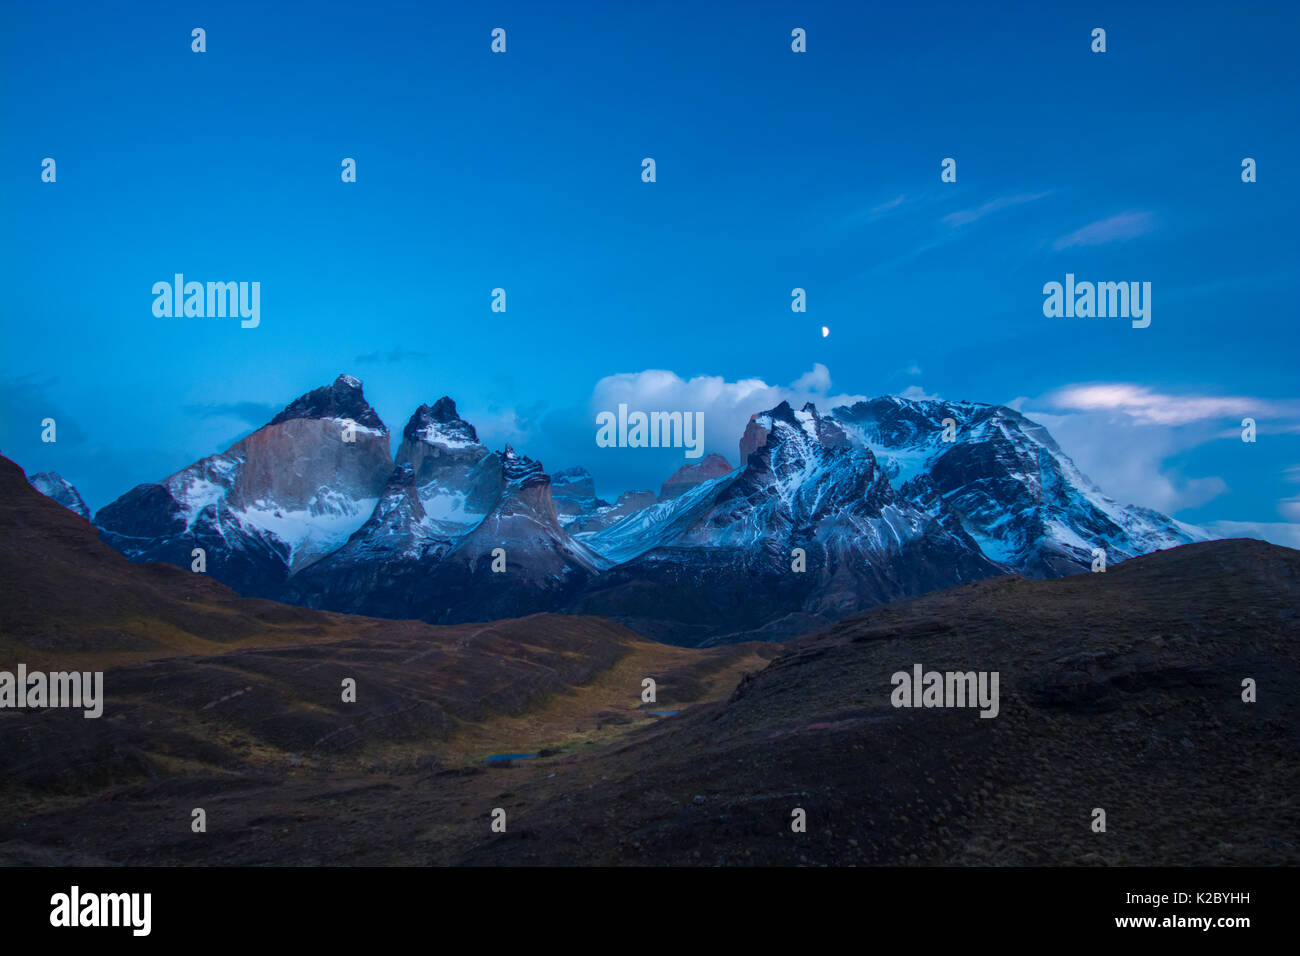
(775, 170)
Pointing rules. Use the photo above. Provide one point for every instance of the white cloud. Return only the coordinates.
(917, 394)
(1107, 430)
(1146, 406)
(1127, 460)
(1126, 225)
(818, 379)
(727, 406)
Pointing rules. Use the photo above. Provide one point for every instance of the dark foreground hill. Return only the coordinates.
(1119, 691)
(209, 694)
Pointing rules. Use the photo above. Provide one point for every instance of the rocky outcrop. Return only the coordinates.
(696, 473)
(55, 486)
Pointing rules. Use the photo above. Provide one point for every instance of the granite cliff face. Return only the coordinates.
(459, 534)
(270, 504)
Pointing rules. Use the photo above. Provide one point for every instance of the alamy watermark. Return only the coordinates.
(1102, 300)
(947, 689)
(56, 689)
(211, 300)
(75, 908)
(651, 430)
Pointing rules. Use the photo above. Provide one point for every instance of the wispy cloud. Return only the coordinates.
(251, 413)
(866, 212)
(966, 216)
(1126, 225)
(398, 354)
(1149, 407)
(933, 234)
(917, 393)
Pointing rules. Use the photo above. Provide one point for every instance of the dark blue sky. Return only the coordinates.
(775, 170)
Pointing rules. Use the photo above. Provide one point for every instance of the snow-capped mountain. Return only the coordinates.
(53, 485)
(1009, 484)
(456, 483)
(810, 529)
(270, 504)
(450, 512)
(828, 513)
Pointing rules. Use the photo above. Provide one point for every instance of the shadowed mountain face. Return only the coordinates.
(827, 514)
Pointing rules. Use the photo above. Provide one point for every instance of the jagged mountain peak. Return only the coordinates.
(272, 503)
(440, 424)
(519, 468)
(444, 409)
(901, 412)
(343, 399)
(800, 432)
